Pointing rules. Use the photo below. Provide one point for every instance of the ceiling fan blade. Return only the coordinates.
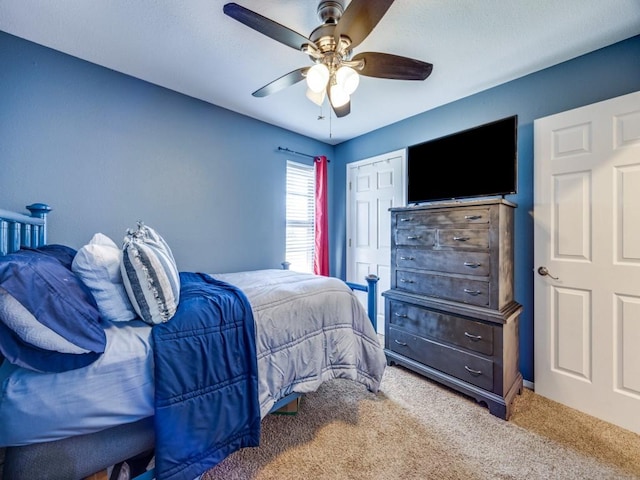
(359, 19)
(266, 26)
(385, 65)
(341, 111)
(281, 83)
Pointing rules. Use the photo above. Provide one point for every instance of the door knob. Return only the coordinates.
(543, 271)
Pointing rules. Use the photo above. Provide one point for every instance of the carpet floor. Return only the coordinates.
(417, 429)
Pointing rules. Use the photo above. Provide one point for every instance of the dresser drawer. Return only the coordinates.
(418, 237)
(465, 290)
(452, 361)
(463, 238)
(443, 327)
(443, 217)
(466, 263)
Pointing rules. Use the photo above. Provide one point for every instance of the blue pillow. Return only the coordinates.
(61, 252)
(50, 294)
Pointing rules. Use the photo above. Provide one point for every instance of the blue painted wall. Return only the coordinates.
(105, 150)
(600, 75)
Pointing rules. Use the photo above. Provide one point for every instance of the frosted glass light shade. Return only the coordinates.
(338, 96)
(316, 97)
(348, 79)
(317, 77)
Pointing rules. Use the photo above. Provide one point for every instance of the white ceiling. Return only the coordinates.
(191, 47)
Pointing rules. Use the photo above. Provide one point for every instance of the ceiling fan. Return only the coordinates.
(335, 72)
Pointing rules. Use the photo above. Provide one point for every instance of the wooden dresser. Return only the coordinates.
(450, 313)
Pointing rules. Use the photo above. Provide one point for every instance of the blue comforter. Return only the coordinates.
(206, 376)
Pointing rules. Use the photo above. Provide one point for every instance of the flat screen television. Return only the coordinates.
(478, 162)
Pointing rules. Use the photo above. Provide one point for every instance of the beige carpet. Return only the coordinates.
(416, 429)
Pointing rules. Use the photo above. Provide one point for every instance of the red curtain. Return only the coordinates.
(321, 259)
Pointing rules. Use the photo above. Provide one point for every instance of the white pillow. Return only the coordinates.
(98, 266)
(150, 275)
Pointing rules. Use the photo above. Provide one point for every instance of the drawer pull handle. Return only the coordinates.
(402, 280)
(413, 237)
(407, 258)
(400, 343)
(472, 292)
(401, 315)
(406, 219)
(475, 338)
(472, 371)
(461, 239)
(472, 264)
(472, 217)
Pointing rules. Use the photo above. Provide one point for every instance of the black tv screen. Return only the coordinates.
(478, 162)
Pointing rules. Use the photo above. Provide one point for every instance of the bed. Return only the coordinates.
(130, 394)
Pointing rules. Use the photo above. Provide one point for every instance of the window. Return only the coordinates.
(300, 216)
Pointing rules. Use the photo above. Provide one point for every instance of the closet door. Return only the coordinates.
(373, 186)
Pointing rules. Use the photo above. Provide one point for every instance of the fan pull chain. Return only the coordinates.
(330, 123)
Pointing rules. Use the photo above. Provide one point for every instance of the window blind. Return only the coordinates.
(300, 216)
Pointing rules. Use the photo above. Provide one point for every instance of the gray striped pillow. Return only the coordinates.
(150, 275)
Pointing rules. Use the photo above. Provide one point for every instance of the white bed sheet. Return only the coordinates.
(118, 387)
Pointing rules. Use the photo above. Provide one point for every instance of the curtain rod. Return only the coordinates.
(284, 149)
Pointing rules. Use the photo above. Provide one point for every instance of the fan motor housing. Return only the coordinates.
(330, 11)
(323, 37)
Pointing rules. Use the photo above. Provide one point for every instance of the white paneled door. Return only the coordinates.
(587, 259)
(373, 186)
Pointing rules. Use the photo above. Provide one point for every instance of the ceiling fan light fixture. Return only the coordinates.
(335, 73)
(316, 97)
(317, 77)
(348, 79)
(338, 96)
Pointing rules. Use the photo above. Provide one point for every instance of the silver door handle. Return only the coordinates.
(543, 271)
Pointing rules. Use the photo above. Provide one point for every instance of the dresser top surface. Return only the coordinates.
(454, 204)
